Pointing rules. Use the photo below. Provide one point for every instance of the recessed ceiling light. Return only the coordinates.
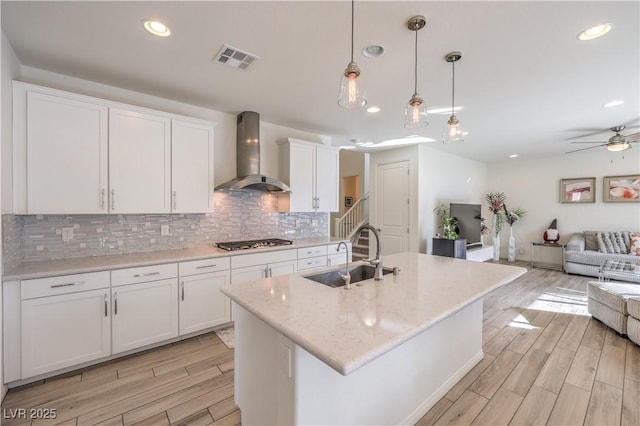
(373, 51)
(157, 28)
(595, 32)
(373, 109)
(445, 110)
(613, 104)
(513, 156)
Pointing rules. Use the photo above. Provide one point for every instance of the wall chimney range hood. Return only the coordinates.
(248, 159)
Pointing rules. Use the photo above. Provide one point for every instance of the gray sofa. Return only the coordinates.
(582, 256)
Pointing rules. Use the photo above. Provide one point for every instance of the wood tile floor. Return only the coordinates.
(546, 362)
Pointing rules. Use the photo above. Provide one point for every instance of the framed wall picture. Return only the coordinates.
(578, 190)
(622, 189)
(348, 201)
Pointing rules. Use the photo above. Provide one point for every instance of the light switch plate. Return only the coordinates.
(67, 234)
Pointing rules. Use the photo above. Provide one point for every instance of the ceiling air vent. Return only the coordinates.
(235, 58)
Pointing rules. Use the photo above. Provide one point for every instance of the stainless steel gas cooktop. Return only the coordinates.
(241, 245)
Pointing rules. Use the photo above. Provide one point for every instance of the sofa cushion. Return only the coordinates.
(634, 247)
(590, 257)
(590, 241)
(612, 242)
(633, 307)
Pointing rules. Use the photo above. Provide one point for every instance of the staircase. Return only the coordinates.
(360, 248)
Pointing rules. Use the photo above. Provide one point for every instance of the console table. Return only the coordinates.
(533, 261)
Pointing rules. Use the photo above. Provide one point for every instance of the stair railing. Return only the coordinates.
(347, 225)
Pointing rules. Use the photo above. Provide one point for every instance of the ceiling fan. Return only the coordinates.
(615, 143)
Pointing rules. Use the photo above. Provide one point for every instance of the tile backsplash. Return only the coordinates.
(237, 216)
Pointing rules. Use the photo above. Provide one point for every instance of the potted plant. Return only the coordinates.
(496, 200)
(448, 224)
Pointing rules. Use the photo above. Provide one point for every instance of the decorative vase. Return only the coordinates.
(496, 246)
(512, 246)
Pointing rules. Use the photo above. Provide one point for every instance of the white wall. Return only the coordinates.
(534, 185)
(225, 133)
(446, 178)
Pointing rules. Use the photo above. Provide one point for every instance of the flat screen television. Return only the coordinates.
(468, 217)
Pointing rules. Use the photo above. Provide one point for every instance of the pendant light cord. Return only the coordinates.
(453, 86)
(352, 13)
(415, 67)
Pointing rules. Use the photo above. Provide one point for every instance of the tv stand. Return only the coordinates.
(480, 253)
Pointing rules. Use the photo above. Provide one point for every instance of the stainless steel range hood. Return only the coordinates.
(248, 159)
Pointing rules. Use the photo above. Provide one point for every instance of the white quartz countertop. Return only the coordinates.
(30, 270)
(347, 329)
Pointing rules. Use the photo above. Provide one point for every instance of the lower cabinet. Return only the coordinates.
(144, 314)
(202, 305)
(258, 272)
(64, 321)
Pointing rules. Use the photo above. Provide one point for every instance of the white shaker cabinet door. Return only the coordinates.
(282, 268)
(302, 178)
(191, 167)
(65, 330)
(139, 162)
(144, 314)
(202, 304)
(327, 177)
(66, 155)
(248, 273)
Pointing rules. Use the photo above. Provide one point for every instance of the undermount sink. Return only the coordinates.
(358, 273)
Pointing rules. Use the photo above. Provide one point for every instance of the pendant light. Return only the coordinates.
(351, 91)
(415, 113)
(454, 132)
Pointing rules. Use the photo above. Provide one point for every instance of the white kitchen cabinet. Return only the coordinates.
(337, 256)
(312, 172)
(139, 162)
(256, 266)
(192, 167)
(202, 305)
(61, 325)
(64, 142)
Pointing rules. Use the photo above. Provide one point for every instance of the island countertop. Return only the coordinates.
(347, 329)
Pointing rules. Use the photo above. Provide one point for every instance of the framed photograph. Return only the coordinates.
(579, 190)
(621, 189)
(348, 201)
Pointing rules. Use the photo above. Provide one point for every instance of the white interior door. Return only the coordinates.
(392, 206)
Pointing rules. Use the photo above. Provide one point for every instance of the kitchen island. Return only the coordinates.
(380, 353)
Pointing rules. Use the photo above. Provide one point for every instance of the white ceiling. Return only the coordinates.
(528, 86)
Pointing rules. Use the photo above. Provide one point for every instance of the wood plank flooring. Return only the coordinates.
(546, 362)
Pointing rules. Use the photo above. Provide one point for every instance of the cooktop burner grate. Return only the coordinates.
(242, 245)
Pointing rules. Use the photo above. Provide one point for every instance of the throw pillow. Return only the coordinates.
(590, 241)
(635, 244)
(609, 242)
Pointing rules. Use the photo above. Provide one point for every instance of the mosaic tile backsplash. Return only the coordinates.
(237, 216)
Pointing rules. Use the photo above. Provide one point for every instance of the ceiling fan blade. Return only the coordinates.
(590, 142)
(593, 132)
(583, 149)
(633, 138)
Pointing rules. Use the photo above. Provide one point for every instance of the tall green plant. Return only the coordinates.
(447, 223)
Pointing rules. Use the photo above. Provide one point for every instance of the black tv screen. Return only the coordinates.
(468, 217)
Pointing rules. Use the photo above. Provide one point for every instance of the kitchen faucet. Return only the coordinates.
(346, 277)
(377, 262)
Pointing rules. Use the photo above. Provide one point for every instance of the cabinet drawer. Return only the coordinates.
(306, 252)
(52, 286)
(333, 248)
(143, 274)
(253, 259)
(312, 262)
(203, 266)
(337, 259)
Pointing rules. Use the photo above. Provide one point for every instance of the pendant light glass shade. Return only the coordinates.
(453, 134)
(415, 113)
(351, 90)
(619, 146)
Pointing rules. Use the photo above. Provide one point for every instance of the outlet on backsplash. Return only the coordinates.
(314, 223)
(164, 229)
(67, 234)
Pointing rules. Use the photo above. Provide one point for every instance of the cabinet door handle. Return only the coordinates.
(115, 303)
(174, 200)
(270, 273)
(67, 284)
(105, 305)
(206, 266)
(317, 203)
(113, 198)
(182, 290)
(328, 262)
(146, 274)
(102, 199)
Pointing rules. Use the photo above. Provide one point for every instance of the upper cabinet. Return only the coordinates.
(66, 155)
(75, 154)
(139, 162)
(192, 166)
(312, 171)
